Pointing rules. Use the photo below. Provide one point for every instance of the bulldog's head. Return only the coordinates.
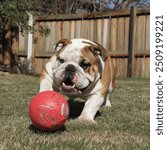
(79, 64)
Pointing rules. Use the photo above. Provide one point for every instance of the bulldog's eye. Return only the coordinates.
(61, 60)
(84, 65)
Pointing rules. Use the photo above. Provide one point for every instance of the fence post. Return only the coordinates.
(30, 44)
(131, 44)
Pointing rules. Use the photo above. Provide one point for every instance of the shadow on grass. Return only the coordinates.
(39, 131)
(76, 108)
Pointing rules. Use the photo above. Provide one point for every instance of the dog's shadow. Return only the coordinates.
(39, 131)
(76, 108)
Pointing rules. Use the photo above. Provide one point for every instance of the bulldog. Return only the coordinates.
(82, 69)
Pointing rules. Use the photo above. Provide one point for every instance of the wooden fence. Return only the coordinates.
(125, 33)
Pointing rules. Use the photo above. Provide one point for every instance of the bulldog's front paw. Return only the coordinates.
(86, 118)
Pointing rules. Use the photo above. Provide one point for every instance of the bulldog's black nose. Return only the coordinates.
(69, 74)
(70, 69)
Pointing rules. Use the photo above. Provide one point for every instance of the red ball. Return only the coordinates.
(48, 110)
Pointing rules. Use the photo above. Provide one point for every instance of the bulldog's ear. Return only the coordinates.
(99, 50)
(60, 44)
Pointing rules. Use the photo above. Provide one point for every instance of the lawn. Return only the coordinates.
(124, 126)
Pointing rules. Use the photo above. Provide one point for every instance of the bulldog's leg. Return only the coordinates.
(91, 107)
(107, 102)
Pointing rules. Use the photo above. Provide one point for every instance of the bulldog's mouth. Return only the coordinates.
(69, 86)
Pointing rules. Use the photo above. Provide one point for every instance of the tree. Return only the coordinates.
(124, 4)
(13, 14)
(80, 6)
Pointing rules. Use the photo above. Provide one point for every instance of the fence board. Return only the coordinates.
(52, 36)
(85, 29)
(47, 39)
(140, 34)
(113, 45)
(58, 29)
(126, 35)
(99, 30)
(121, 32)
(147, 73)
(95, 31)
(39, 64)
(147, 33)
(72, 29)
(66, 30)
(105, 33)
(21, 42)
(91, 32)
(78, 29)
(41, 39)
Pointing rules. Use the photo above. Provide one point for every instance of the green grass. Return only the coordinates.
(124, 126)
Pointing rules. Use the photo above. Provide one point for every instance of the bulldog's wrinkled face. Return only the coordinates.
(78, 65)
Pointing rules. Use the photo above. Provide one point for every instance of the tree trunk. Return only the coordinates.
(9, 49)
(14, 49)
(1, 52)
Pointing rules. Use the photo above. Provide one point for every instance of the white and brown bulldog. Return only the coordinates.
(82, 69)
